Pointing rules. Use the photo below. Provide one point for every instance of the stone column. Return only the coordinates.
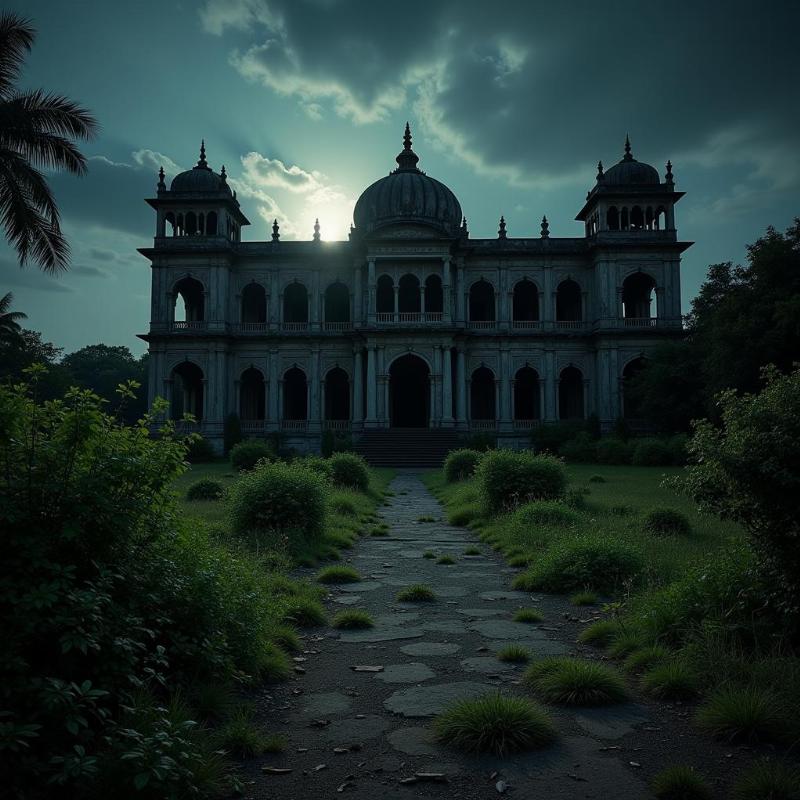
(371, 292)
(314, 411)
(273, 414)
(447, 388)
(659, 304)
(396, 288)
(383, 393)
(505, 386)
(422, 299)
(313, 299)
(358, 389)
(446, 293)
(358, 309)
(550, 410)
(237, 395)
(461, 389)
(436, 373)
(274, 298)
(372, 408)
(459, 293)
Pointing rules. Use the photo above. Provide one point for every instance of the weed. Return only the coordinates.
(338, 574)
(680, 783)
(416, 593)
(352, 618)
(514, 653)
(528, 615)
(575, 682)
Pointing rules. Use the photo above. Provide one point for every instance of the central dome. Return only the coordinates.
(407, 195)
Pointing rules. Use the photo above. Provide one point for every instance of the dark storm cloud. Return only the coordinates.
(536, 91)
(11, 275)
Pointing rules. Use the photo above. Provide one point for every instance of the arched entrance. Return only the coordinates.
(409, 393)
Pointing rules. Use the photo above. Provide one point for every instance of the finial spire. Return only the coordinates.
(600, 175)
(668, 177)
(501, 231)
(276, 231)
(545, 228)
(201, 162)
(464, 229)
(407, 137)
(316, 230)
(628, 156)
(161, 184)
(223, 174)
(408, 158)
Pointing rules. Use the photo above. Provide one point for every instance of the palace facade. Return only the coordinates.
(411, 323)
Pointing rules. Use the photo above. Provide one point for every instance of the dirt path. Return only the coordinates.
(360, 734)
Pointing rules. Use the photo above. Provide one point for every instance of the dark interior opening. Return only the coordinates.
(409, 400)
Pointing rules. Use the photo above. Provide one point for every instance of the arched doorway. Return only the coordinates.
(295, 395)
(638, 291)
(337, 395)
(630, 403)
(409, 388)
(570, 394)
(251, 395)
(187, 391)
(526, 394)
(254, 304)
(482, 395)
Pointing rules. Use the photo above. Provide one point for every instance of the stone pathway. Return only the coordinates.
(363, 734)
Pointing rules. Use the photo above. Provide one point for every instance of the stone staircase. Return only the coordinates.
(407, 447)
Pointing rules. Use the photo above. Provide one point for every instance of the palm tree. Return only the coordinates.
(9, 327)
(36, 130)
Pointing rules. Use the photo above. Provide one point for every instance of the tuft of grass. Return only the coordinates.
(352, 618)
(472, 551)
(429, 554)
(240, 735)
(599, 634)
(285, 637)
(445, 559)
(212, 701)
(273, 664)
(426, 518)
(462, 515)
(378, 531)
(528, 615)
(646, 657)
(583, 599)
(625, 641)
(416, 593)
(338, 574)
(671, 680)
(596, 479)
(575, 682)
(768, 780)
(520, 560)
(275, 743)
(495, 723)
(303, 612)
(680, 783)
(739, 713)
(514, 654)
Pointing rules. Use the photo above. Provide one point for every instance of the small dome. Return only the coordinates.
(630, 171)
(407, 195)
(201, 178)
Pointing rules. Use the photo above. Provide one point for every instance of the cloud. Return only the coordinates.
(88, 272)
(152, 160)
(272, 172)
(30, 278)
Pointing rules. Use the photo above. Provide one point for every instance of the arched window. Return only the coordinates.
(648, 218)
(526, 394)
(169, 224)
(211, 223)
(630, 404)
(337, 395)
(295, 303)
(637, 218)
(624, 220)
(482, 394)
(192, 305)
(661, 219)
(191, 224)
(434, 299)
(481, 302)
(570, 394)
(568, 302)
(408, 300)
(251, 395)
(612, 219)
(179, 225)
(295, 395)
(201, 223)
(337, 303)
(187, 391)
(254, 304)
(384, 295)
(526, 301)
(637, 296)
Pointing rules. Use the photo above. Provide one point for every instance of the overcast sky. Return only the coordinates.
(304, 101)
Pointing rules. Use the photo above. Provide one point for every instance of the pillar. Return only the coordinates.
(358, 309)
(504, 414)
(459, 293)
(371, 291)
(446, 293)
(371, 387)
(314, 410)
(273, 410)
(447, 388)
(461, 389)
(396, 289)
(358, 389)
(550, 410)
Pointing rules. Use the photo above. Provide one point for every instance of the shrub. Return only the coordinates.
(768, 780)
(205, 489)
(350, 470)
(514, 654)
(279, 498)
(545, 512)
(245, 455)
(671, 680)
(596, 479)
(588, 561)
(742, 714)
(667, 521)
(528, 615)
(552, 436)
(342, 503)
(646, 657)
(651, 453)
(351, 619)
(583, 599)
(199, 450)
(749, 471)
(322, 466)
(416, 593)
(575, 682)
(338, 574)
(580, 450)
(508, 478)
(460, 464)
(461, 516)
(495, 723)
(680, 783)
(678, 449)
(600, 633)
(611, 450)
(231, 432)
(445, 559)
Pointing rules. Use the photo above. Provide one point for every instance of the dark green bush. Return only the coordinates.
(678, 449)
(335, 442)
(545, 512)
(199, 450)
(460, 464)
(552, 436)
(651, 453)
(612, 450)
(232, 432)
(508, 478)
(480, 442)
(579, 450)
(350, 470)
(277, 499)
(667, 522)
(245, 455)
(318, 464)
(205, 489)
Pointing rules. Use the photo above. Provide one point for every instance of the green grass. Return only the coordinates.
(275, 743)
(768, 780)
(514, 654)
(338, 574)
(495, 723)
(416, 593)
(680, 783)
(304, 612)
(429, 554)
(445, 559)
(352, 618)
(583, 599)
(472, 551)
(670, 680)
(600, 633)
(528, 615)
(426, 518)
(240, 735)
(645, 657)
(742, 714)
(273, 665)
(575, 682)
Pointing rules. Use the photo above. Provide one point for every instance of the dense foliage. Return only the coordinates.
(205, 489)
(245, 455)
(461, 464)
(349, 470)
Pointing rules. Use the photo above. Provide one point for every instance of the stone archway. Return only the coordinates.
(409, 393)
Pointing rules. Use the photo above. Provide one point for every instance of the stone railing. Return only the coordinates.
(526, 324)
(190, 327)
(251, 426)
(251, 327)
(337, 424)
(481, 324)
(337, 327)
(483, 424)
(569, 324)
(294, 327)
(640, 322)
(296, 425)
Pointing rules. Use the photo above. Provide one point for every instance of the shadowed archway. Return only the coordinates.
(409, 398)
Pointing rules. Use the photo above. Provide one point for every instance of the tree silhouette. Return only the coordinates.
(9, 327)
(37, 130)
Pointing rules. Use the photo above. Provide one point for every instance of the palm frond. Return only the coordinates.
(48, 113)
(5, 304)
(43, 149)
(31, 183)
(16, 39)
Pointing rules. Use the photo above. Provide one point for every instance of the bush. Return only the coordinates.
(600, 564)
(322, 466)
(749, 471)
(508, 478)
(596, 478)
(276, 499)
(232, 432)
(199, 450)
(742, 714)
(343, 503)
(671, 680)
(338, 574)
(552, 436)
(460, 464)
(651, 453)
(205, 489)
(680, 783)
(350, 470)
(352, 619)
(481, 442)
(678, 449)
(575, 682)
(612, 450)
(768, 780)
(667, 522)
(579, 450)
(245, 455)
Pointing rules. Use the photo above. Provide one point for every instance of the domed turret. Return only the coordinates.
(630, 171)
(200, 178)
(408, 195)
